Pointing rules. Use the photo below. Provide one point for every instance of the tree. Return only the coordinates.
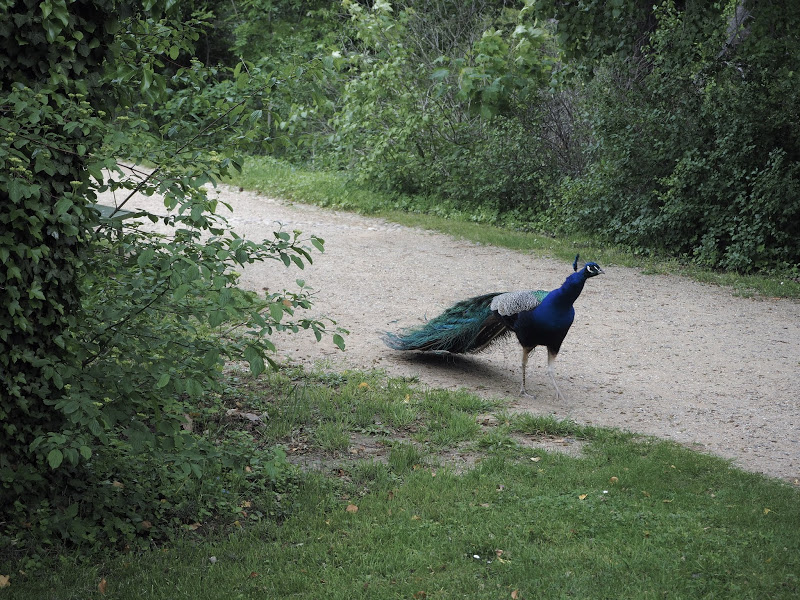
(112, 332)
(696, 146)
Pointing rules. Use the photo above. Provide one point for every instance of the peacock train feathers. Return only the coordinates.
(468, 326)
(537, 317)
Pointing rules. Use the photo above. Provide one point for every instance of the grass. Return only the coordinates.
(333, 190)
(630, 517)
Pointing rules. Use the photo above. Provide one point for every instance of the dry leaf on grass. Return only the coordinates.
(352, 508)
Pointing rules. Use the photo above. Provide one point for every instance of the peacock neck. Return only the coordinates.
(569, 290)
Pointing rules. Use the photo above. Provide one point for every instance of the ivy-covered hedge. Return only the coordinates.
(51, 59)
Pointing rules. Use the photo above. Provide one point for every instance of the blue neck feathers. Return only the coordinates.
(568, 292)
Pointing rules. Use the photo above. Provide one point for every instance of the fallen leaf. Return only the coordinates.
(117, 484)
(363, 385)
(667, 501)
(420, 595)
(352, 508)
(246, 504)
(536, 458)
(415, 518)
(146, 525)
(515, 595)
(498, 552)
(582, 496)
(252, 417)
(614, 480)
(212, 560)
(5, 581)
(767, 511)
(194, 526)
(101, 587)
(253, 574)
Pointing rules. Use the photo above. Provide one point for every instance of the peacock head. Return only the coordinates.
(591, 268)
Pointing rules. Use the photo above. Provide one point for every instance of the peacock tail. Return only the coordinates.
(468, 326)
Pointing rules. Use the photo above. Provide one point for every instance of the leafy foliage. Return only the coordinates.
(666, 127)
(696, 146)
(445, 100)
(117, 328)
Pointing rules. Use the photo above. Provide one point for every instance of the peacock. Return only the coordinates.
(537, 317)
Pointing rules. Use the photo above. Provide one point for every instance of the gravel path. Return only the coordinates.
(653, 354)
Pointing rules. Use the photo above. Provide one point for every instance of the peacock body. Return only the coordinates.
(537, 317)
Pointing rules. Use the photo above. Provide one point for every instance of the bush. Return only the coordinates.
(113, 333)
(697, 153)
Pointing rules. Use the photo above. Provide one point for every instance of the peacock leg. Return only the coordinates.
(525, 353)
(551, 359)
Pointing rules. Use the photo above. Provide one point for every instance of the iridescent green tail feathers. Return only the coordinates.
(468, 326)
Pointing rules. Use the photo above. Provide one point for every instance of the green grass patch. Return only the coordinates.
(630, 517)
(334, 190)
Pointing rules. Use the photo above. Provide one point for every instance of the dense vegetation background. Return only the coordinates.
(668, 127)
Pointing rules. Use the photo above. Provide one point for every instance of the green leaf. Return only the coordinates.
(253, 357)
(216, 318)
(62, 206)
(181, 291)
(338, 340)
(162, 381)
(145, 257)
(276, 311)
(55, 458)
(194, 388)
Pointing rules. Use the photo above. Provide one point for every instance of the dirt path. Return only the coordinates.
(653, 354)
